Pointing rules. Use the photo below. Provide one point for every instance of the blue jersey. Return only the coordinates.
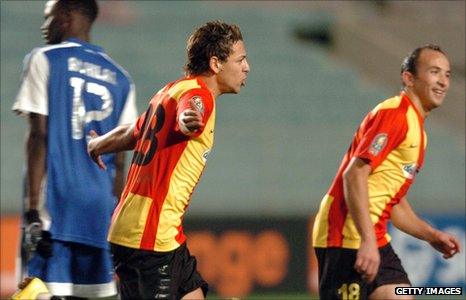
(79, 88)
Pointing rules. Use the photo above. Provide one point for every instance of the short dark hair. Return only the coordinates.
(410, 62)
(214, 38)
(87, 8)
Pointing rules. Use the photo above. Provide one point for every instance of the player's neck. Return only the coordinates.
(211, 84)
(80, 36)
(417, 103)
(79, 27)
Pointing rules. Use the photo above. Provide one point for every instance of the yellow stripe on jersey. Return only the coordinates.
(134, 211)
(351, 237)
(320, 228)
(387, 104)
(183, 180)
(350, 233)
(177, 90)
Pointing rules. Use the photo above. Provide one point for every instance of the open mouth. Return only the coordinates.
(439, 92)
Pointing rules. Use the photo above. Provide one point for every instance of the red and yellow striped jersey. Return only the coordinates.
(165, 169)
(392, 140)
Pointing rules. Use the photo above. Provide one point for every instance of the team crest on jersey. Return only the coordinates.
(197, 101)
(378, 143)
(409, 170)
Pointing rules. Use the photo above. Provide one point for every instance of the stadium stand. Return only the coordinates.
(280, 142)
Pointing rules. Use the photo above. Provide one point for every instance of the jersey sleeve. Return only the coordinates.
(138, 125)
(196, 99)
(382, 133)
(129, 113)
(32, 96)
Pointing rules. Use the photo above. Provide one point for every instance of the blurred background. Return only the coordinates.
(317, 68)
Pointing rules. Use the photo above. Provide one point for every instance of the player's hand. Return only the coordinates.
(92, 150)
(44, 246)
(32, 229)
(367, 260)
(36, 239)
(445, 243)
(190, 120)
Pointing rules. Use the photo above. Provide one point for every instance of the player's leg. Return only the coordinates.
(194, 295)
(387, 291)
(92, 272)
(39, 270)
(72, 271)
(146, 274)
(391, 275)
(167, 275)
(158, 272)
(337, 277)
(128, 277)
(192, 285)
(128, 282)
(156, 278)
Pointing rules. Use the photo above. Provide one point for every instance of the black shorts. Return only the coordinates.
(339, 280)
(156, 275)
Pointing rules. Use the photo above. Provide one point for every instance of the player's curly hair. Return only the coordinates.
(214, 38)
(87, 8)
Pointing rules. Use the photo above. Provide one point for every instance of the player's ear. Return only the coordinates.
(69, 20)
(215, 64)
(408, 78)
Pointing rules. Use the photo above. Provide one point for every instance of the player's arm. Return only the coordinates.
(128, 116)
(190, 120)
(355, 186)
(405, 219)
(32, 101)
(36, 152)
(119, 139)
(380, 132)
(119, 181)
(193, 111)
(36, 149)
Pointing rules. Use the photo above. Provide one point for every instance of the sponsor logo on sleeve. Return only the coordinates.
(409, 170)
(378, 143)
(197, 101)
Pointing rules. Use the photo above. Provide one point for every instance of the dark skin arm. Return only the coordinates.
(36, 151)
(36, 147)
(119, 181)
(119, 139)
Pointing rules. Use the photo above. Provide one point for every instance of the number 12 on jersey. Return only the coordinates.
(80, 117)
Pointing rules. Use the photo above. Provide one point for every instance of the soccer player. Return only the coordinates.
(171, 142)
(68, 88)
(356, 260)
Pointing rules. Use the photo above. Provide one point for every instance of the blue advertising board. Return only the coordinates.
(424, 265)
